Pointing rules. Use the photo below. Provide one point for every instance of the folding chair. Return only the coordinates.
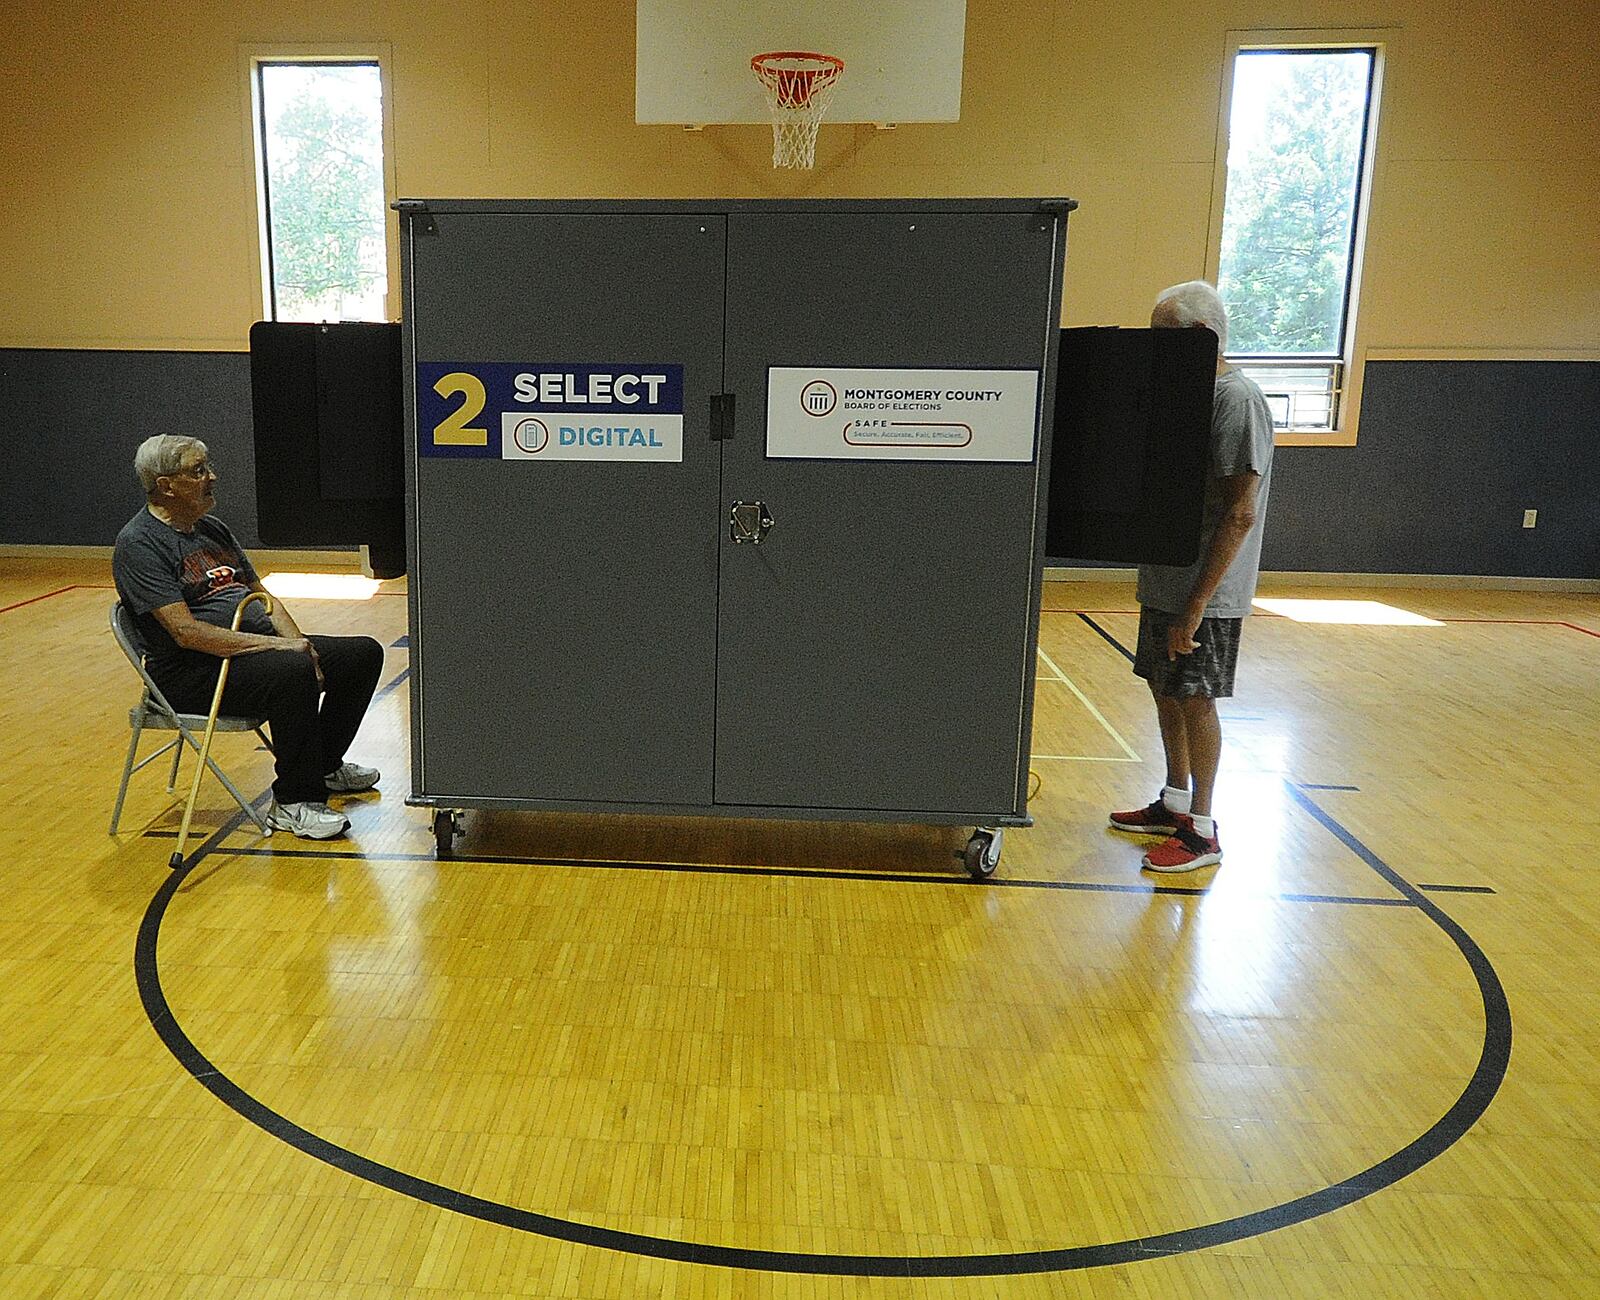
(155, 713)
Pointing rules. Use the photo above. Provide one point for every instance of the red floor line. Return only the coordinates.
(1527, 622)
(1133, 613)
(1516, 622)
(35, 600)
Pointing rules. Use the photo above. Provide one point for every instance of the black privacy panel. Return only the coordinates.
(328, 418)
(1132, 428)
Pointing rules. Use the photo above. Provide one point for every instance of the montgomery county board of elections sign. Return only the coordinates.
(550, 411)
(883, 414)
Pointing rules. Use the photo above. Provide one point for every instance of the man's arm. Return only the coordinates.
(282, 623)
(1238, 517)
(191, 634)
(288, 630)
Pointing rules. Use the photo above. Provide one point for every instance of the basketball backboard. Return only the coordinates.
(902, 57)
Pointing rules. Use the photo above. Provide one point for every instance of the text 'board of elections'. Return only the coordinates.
(883, 414)
(553, 411)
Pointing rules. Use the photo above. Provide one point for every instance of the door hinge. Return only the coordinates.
(416, 212)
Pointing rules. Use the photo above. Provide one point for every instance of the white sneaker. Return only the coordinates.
(351, 778)
(310, 821)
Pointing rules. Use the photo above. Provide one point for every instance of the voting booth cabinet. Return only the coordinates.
(728, 507)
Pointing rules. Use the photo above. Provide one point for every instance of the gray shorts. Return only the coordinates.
(1206, 672)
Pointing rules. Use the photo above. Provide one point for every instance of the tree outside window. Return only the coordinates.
(1297, 140)
(321, 137)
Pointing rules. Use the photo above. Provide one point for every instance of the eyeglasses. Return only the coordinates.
(201, 470)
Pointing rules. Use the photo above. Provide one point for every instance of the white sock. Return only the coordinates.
(1205, 827)
(1175, 799)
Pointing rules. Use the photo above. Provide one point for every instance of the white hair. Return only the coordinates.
(162, 456)
(1195, 302)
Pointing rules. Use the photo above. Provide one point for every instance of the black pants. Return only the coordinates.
(308, 739)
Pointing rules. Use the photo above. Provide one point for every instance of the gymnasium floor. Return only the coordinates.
(722, 1059)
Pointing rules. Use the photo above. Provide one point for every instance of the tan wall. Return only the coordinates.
(128, 215)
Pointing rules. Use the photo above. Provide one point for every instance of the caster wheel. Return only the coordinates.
(446, 826)
(983, 853)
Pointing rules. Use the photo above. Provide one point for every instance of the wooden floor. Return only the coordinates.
(724, 1059)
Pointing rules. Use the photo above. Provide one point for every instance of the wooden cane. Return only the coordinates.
(211, 726)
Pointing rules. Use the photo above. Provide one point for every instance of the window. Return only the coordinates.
(319, 134)
(1299, 129)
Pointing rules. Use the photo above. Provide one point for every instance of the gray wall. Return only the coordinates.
(71, 421)
(1451, 453)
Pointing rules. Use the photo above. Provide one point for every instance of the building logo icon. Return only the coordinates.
(818, 398)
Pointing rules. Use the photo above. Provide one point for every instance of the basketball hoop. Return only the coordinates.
(799, 86)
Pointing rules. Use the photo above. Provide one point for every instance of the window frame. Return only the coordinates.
(252, 57)
(1351, 362)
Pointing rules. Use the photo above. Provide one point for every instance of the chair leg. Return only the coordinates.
(177, 754)
(184, 735)
(249, 808)
(127, 771)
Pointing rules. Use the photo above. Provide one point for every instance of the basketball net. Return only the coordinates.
(798, 87)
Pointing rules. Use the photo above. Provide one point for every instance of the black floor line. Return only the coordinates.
(238, 819)
(1466, 1110)
(221, 833)
(1108, 638)
(955, 878)
(389, 689)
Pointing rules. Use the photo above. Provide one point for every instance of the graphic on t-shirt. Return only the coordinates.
(207, 573)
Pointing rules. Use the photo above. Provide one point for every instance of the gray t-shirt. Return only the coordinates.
(155, 565)
(1241, 443)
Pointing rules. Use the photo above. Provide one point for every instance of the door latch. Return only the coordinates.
(749, 521)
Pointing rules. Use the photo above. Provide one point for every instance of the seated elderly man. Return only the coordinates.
(181, 574)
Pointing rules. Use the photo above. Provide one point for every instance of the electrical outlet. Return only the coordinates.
(1530, 518)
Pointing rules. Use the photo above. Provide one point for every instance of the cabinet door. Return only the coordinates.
(564, 615)
(875, 649)
(1132, 432)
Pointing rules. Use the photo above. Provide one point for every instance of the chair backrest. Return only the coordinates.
(155, 703)
(127, 636)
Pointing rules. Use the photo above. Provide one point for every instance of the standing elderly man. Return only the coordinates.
(1190, 618)
(181, 574)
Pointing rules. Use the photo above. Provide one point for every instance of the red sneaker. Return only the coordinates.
(1154, 819)
(1187, 850)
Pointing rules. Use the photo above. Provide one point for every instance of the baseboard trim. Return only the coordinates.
(261, 557)
(264, 558)
(1090, 575)
(1470, 581)
(1477, 582)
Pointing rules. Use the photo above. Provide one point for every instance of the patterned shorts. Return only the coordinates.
(1206, 672)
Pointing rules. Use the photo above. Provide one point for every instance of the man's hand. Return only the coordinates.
(302, 645)
(1180, 634)
(1238, 518)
